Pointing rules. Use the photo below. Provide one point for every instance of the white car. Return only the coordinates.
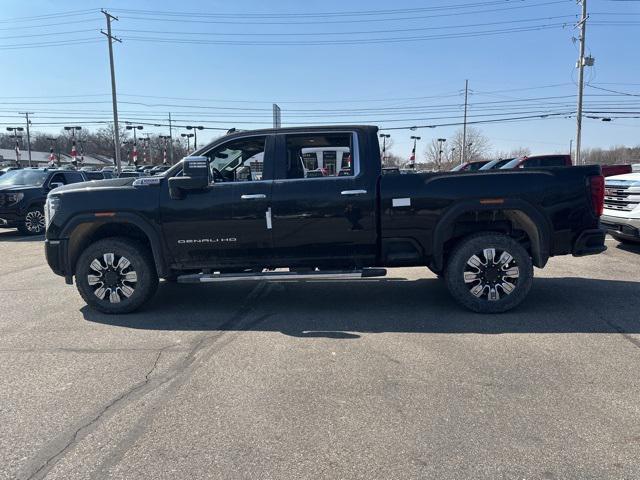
(622, 207)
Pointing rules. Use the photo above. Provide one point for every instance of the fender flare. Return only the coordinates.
(121, 217)
(538, 227)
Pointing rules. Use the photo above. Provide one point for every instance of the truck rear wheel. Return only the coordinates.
(489, 273)
(116, 275)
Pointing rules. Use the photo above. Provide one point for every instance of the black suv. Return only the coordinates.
(23, 193)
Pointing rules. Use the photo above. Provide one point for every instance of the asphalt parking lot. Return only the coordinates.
(355, 380)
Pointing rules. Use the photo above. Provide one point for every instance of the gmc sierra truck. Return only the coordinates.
(312, 203)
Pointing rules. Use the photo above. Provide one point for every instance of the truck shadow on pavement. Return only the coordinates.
(15, 236)
(629, 247)
(341, 310)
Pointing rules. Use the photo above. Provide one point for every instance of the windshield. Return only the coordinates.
(494, 164)
(23, 177)
(477, 165)
(512, 164)
(458, 167)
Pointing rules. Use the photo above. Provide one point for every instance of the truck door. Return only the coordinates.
(226, 224)
(323, 203)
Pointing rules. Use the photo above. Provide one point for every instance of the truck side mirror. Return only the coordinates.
(195, 176)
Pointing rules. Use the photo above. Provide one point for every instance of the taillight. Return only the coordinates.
(596, 185)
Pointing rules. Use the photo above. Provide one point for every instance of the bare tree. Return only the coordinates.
(513, 153)
(437, 154)
(477, 148)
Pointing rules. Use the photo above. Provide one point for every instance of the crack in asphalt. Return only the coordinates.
(57, 448)
(85, 427)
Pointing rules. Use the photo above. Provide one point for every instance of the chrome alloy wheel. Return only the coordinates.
(491, 273)
(112, 277)
(34, 221)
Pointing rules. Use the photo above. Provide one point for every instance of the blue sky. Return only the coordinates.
(390, 83)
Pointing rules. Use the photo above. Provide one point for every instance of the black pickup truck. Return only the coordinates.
(23, 193)
(299, 203)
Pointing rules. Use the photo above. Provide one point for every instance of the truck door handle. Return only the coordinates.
(253, 197)
(353, 192)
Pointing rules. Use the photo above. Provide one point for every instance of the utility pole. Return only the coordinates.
(171, 160)
(581, 63)
(464, 127)
(110, 39)
(26, 114)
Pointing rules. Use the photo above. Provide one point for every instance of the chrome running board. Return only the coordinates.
(282, 276)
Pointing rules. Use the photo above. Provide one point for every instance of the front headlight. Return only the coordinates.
(50, 208)
(13, 198)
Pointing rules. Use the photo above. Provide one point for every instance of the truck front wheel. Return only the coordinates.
(33, 223)
(489, 273)
(116, 275)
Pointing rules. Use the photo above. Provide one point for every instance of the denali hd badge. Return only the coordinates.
(207, 240)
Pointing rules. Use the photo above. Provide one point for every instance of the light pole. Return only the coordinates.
(126, 144)
(135, 141)
(412, 158)
(15, 135)
(54, 144)
(74, 152)
(195, 134)
(440, 143)
(26, 115)
(384, 137)
(164, 147)
(148, 146)
(187, 136)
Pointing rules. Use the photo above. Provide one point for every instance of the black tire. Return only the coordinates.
(625, 240)
(33, 223)
(473, 282)
(124, 280)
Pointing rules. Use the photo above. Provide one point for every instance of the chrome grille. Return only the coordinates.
(617, 196)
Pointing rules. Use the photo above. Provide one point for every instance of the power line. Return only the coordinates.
(313, 14)
(81, 41)
(57, 24)
(191, 17)
(71, 13)
(361, 32)
(345, 42)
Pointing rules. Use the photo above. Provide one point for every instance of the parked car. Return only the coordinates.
(23, 194)
(495, 164)
(538, 161)
(483, 232)
(611, 170)
(159, 169)
(470, 166)
(621, 214)
(94, 175)
(8, 169)
(130, 174)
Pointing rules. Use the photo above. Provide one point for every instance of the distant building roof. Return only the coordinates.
(9, 156)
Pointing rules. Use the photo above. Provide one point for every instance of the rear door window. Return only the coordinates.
(319, 155)
(58, 178)
(73, 177)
